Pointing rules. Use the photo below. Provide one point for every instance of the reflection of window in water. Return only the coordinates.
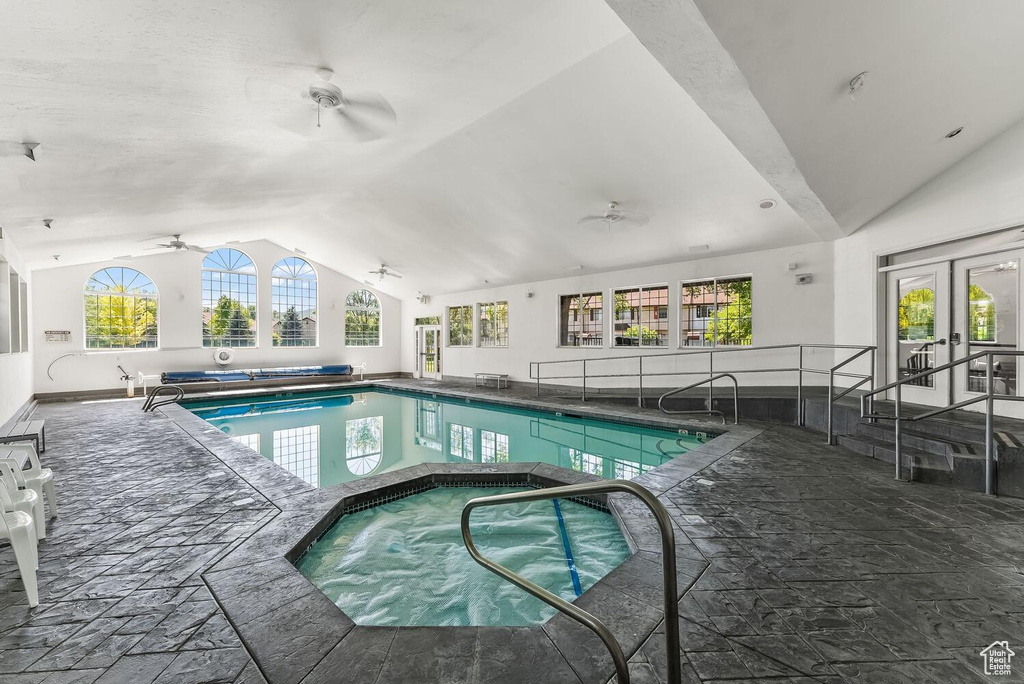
(584, 462)
(297, 450)
(251, 441)
(493, 447)
(626, 471)
(461, 441)
(599, 465)
(364, 442)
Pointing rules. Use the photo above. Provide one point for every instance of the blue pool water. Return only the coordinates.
(336, 437)
(404, 562)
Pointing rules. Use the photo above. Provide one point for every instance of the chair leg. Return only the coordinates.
(39, 515)
(51, 498)
(24, 545)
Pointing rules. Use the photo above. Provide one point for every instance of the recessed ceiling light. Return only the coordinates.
(955, 132)
(766, 204)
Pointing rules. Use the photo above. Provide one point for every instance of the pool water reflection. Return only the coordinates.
(332, 438)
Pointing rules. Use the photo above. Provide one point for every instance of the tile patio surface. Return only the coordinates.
(812, 565)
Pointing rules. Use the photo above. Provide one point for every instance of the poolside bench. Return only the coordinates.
(24, 431)
(499, 378)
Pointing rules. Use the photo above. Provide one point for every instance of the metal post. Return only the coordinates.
(899, 439)
(831, 390)
(584, 379)
(538, 378)
(871, 385)
(800, 387)
(989, 445)
(640, 385)
(711, 385)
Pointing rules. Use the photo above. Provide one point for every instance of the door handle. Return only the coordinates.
(941, 342)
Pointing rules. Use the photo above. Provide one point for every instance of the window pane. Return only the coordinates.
(229, 299)
(718, 311)
(293, 303)
(734, 317)
(460, 326)
(362, 319)
(637, 317)
(494, 324)
(120, 310)
(580, 320)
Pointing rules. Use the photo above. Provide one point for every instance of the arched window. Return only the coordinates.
(229, 299)
(120, 310)
(293, 288)
(362, 319)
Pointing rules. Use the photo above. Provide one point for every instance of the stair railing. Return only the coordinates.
(709, 411)
(152, 404)
(988, 396)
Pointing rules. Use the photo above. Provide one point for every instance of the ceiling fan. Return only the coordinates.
(614, 215)
(178, 245)
(323, 108)
(384, 272)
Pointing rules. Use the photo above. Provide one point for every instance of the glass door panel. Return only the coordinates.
(918, 320)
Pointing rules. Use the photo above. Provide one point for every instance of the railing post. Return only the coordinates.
(831, 389)
(871, 385)
(640, 385)
(711, 384)
(989, 445)
(584, 379)
(898, 436)
(538, 378)
(800, 387)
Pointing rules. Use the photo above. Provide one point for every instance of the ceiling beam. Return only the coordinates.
(678, 36)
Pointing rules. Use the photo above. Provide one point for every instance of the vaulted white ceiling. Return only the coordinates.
(514, 119)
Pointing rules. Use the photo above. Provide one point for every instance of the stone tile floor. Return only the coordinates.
(821, 567)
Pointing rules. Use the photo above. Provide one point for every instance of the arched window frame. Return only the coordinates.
(361, 314)
(243, 280)
(294, 285)
(130, 300)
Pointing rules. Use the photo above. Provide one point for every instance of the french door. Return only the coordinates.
(428, 351)
(947, 310)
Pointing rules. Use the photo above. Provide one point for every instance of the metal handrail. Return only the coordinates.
(710, 411)
(988, 396)
(668, 552)
(151, 404)
(833, 372)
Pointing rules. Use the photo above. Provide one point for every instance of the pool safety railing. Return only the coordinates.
(709, 411)
(713, 370)
(668, 552)
(151, 402)
(989, 396)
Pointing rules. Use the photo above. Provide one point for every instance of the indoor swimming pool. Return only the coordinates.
(336, 437)
(404, 562)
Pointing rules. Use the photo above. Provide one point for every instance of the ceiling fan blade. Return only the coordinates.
(636, 218)
(352, 126)
(197, 248)
(300, 121)
(394, 275)
(370, 105)
(159, 246)
(261, 91)
(589, 219)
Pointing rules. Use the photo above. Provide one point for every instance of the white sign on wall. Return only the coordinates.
(57, 335)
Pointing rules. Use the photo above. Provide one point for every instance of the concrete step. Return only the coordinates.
(922, 465)
(917, 439)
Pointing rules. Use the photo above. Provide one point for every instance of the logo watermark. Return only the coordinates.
(997, 658)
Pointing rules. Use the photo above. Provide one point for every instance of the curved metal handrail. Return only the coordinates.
(709, 411)
(151, 403)
(668, 551)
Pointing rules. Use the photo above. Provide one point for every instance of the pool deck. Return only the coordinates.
(806, 563)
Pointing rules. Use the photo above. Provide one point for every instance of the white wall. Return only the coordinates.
(983, 192)
(15, 368)
(784, 312)
(58, 305)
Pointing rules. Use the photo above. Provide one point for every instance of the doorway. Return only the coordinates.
(947, 310)
(428, 351)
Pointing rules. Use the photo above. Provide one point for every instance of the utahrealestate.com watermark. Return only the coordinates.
(997, 658)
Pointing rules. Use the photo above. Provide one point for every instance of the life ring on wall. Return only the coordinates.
(223, 356)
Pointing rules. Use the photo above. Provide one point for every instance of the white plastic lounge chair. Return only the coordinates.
(24, 499)
(37, 478)
(19, 528)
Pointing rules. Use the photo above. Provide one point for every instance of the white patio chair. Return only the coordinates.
(24, 499)
(37, 478)
(19, 528)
